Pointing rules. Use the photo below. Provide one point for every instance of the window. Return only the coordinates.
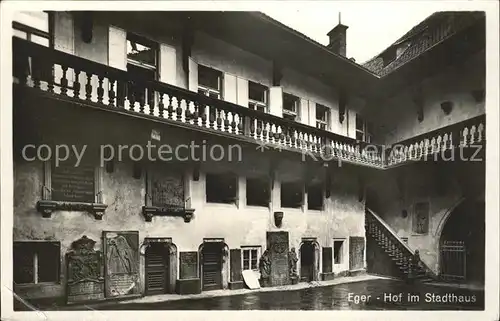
(257, 96)
(221, 188)
(250, 258)
(36, 262)
(338, 251)
(292, 194)
(363, 130)
(258, 191)
(142, 63)
(35, 26)
(315, 197)
(290, 107)
(322, 117)
(209, 82)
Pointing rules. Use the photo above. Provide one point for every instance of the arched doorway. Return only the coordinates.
(462, 243)
(157, 268)
(309, 259)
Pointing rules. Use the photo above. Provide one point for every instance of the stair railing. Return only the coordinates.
(391, 240)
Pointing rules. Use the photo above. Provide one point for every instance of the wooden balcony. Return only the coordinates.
(67, 77)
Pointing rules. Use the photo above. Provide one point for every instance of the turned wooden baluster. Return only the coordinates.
(88, 86)
(196, 112)
(178, 110)
(111, 91)
(480, 133)
(76, 84)
(161, 106)
(170, 107)
(100, 89)
(219, 119)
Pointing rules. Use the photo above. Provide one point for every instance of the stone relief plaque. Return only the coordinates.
(278, 246)
(121, 263)
(188, 265)
(420, 222)
(167, 188)
(356, 252)
(73, 184)
(84, 265)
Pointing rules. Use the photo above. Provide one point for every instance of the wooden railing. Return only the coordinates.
(79, 79)
(430, 145)
(76, 78)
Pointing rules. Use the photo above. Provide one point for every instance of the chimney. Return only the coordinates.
(338, 39)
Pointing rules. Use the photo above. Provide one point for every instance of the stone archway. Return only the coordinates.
(156, 246)
(309, 260)
(213, 256)
(461, 236)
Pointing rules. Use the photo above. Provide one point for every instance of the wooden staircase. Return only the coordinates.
(397, 250)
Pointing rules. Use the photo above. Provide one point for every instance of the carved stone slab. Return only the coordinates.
(356, 252)
(121, 253)
(84, 265)
(278, 246)
(188, 265)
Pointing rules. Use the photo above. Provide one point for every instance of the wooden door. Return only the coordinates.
(307, 262)
(157, 269)
(212, 266)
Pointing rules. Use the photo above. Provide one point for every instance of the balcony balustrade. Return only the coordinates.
(77, 79)
(435, 144)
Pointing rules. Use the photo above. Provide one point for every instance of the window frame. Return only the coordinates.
(206, 90)
(341, 251)
(364, 131)
(301, 205)
(230, 201)
(133, 37)
(263, 179)
(322, 189)
(34, 248)
(257, 104)
(250, 248)
(287, 112)
(326, 122)
(29, 30)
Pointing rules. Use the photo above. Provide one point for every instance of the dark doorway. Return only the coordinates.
(157, 269)
(211, 258)
(307, 262)
(462, 244)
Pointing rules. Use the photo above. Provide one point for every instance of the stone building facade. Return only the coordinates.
(291, 153)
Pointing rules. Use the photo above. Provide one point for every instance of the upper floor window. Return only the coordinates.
(292, 194)
(322, 117)
(35, 26)
(141, 52)
(258, 191)
(315, 196)
(142, 63)
(221, 188)
(209, 82)
(257, 96)
(36, 262)
(363, 130)
(290, 107)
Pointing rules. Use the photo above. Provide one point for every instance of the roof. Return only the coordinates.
(433, 30)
